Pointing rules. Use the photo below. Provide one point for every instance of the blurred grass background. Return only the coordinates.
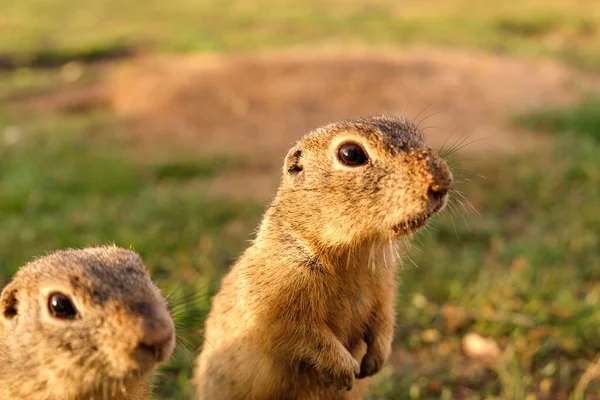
(562, 28)
(524, 270)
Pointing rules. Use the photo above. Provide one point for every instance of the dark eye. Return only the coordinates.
(60, 306)
(352, 155)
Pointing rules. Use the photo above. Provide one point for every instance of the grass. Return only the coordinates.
(108, 28)
(581, 120)
(524, 270)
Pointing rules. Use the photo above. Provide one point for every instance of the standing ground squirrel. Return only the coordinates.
(82, 324)
(315, 292)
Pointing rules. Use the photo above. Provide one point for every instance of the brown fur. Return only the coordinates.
(294, 315)
(96, 354)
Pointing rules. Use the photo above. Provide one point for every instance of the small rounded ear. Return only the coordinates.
(9, 302)
(293, 167)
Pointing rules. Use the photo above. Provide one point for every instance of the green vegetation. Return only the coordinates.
(524, 270)
(111, 28)
(581, 120)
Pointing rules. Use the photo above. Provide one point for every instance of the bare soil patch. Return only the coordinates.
(257, 105)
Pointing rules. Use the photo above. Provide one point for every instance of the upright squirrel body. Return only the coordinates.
(307, 312)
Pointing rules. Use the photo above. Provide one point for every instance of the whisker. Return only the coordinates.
(454, 226)
(418, 238)
(466, 200)
(462, 206)
(430, 127)
(411, 260)
(449, 150)
(385, 262)
(420, 112)
(427, 117)
(451, 209)
(466, 223)
(440, 151)
(186, 344)
(463, 145)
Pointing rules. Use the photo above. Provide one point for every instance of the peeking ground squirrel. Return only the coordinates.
(82, 324)
(317, 287)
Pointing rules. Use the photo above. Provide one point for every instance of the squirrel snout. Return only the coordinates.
(437, 172)
(157, 339)
(439, 183)
(441, 177)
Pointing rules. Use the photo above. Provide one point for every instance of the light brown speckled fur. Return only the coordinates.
(317, 287)
(96, 355)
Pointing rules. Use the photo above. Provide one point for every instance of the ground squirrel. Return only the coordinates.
(309, 306)
(82, 324)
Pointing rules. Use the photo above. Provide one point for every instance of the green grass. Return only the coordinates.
(583, 119)
(524, 270)
(110, 28)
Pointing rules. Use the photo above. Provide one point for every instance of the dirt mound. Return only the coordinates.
(257, 105)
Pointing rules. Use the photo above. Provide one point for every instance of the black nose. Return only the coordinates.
(441, 177)
(437, 192)
(440, 180)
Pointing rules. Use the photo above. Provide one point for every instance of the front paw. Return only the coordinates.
(372, 363)
(342, 374)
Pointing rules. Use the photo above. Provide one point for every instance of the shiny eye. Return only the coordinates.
(60, 306)
(352, 155)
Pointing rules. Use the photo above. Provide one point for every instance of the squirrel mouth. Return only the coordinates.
(412, 225)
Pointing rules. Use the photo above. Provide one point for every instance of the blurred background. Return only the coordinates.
(162, 126)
